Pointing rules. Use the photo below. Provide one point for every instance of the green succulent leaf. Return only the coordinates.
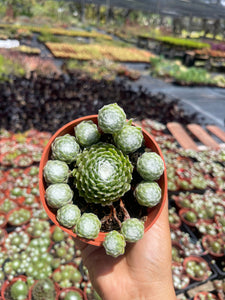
(111, 118)
(148, 193)
(114, 243)
(68, 215)
(132, 230)
(65, 148)
(103, 174)
(88, 226)
(150, 166)
(58, 195)
(128, 139)
(56, 171)
(87, 133)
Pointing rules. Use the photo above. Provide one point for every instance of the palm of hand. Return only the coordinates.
(146, 265)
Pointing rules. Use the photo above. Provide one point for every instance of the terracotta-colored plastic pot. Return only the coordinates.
(197, 259)
(3, 236)
(3, 217)
(84, 297)
(8, 283)
(178, 202)
(182, 212)
(209, 238)
(197, 296)
(17, 199)
(153, 213)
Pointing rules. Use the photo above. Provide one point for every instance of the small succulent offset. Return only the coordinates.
(56, 171)
(95, 166)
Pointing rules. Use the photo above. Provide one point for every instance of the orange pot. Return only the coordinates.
(182, 213)
(153, 213)
(206, 241)
(197, 259)
(8, 283)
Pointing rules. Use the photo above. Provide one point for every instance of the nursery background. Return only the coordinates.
(163, 62)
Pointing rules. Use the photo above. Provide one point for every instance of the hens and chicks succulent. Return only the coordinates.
(102, 173)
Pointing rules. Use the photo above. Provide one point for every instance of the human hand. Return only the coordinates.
(143, 272)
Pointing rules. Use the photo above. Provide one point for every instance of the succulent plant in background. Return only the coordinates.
(180, 278)
(38, 228)
(43, 289)
(58, 234)
(19, 216)
(91, 173)
(67, 276)
(214, 245)
(7, 205)
(70, 295)
(197, 268)
(17, 240)
(19, 290)
(63, 250)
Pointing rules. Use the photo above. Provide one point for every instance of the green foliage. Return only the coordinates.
(185, 43)
(180, 73)
(8, 67)
(176, 41)
(45, 37)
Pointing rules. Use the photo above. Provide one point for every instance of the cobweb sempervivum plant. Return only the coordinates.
(102, 178)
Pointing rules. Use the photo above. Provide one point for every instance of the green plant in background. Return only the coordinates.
(48, 37)
(8, 67)
(19, 290)
(175, 70)
(44, 289)
(185, 43)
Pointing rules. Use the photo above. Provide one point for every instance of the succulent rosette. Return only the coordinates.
(150, 166)
(114, 243)
(58, 195)
(87, 133)
(129, 139)
(103, 174)
(68, 215)
(111, 118)
(65, 148)
(88, 226)
(56, 171)
(132, 230)
(148, 193)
